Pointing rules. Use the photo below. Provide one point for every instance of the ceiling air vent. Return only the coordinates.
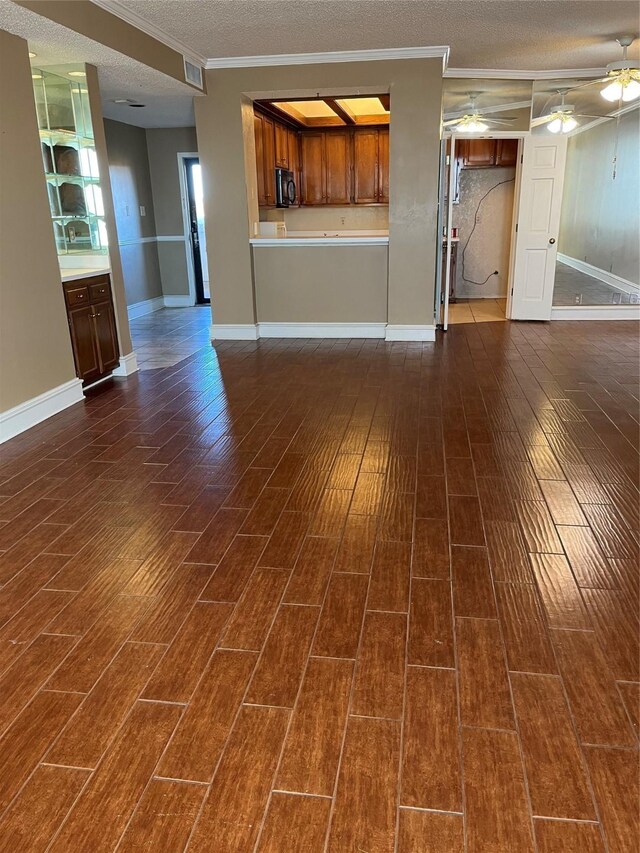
(192, 73)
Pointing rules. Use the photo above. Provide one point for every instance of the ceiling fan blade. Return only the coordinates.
(588, 83)
(536, 122)
(586, 115)
(451, 121)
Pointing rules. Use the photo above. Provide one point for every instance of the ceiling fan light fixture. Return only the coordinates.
(624, 76)
(562, 123)
(473, 126)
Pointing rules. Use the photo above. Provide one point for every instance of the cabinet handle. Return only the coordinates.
(79, 295)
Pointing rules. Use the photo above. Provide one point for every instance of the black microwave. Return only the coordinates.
(285, 188)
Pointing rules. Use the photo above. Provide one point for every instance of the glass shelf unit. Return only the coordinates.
(70, 162)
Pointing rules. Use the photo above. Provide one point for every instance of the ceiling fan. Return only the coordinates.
(622, 77)
(562, 117)
(474, 120)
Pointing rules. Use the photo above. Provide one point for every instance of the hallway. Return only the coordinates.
(328, 595)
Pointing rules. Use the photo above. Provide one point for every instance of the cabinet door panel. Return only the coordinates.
(268, 143)
(383, 165)
(106, 339)
(83, 341)
(281, 140)
(365, 167)
(478, 153)
(506, 152)
(313, 183)
(258, 130)
(337, 167)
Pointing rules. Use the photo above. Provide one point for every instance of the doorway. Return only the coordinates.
(195, 221)
(480, 185)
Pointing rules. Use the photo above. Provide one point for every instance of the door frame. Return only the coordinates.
(186, 221)
(520, 135)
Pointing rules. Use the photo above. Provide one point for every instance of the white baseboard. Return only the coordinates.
(148, 306)
(178, 301)
(596, 312)
(38, 409)
(233, 332)
(396, 332)
(128, 365)
(321, 330)
(609, 278)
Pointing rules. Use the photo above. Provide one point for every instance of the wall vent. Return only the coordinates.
(192, 73)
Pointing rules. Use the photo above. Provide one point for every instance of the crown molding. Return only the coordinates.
(117, 8)
(393, 53)
(517, 74)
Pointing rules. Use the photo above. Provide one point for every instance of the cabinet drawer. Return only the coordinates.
(99, 292)
(77, 295)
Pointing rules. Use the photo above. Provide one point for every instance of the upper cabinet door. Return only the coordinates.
(478, 153)
(268, 142)
(282, 148)
(383, 165)
(313, 173)
(506, 152)
(365, 166)
(338, 167)
(258, 130)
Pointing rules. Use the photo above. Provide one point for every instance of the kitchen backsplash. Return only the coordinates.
(352, 218)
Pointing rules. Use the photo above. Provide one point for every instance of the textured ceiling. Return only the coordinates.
(168, 102)
(509, 34)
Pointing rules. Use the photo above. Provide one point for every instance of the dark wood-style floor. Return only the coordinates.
(330, 596)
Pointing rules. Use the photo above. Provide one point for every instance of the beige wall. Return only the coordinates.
(163, 146)
(321, 284)
(354, 217)
(117, 277)
(600, 221)
(131, 187)
(225, 135)
(35, 348)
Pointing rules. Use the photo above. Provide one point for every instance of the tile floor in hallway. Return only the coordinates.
(477, 311)
(168, 336)
(298, 596)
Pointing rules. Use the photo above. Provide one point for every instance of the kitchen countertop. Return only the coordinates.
(72, 274)
(325, 238)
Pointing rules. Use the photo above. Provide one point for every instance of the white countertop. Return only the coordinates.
(325, 238)
(72, 274)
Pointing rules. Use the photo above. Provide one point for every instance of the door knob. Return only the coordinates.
(552, 240)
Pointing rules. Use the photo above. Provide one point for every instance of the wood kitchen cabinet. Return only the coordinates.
(281, 146)
(326, 167)
(506, 152)
(331, 166)
(337, 158)
(485, 153)
(92, 324)
(264, 129)
(371, 166)
(312, 186)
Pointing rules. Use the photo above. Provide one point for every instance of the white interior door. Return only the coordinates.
(534, 273)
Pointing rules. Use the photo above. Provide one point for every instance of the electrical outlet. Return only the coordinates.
(496, 272)
(126, 210)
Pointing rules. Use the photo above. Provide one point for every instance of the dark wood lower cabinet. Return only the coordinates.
(92, 325)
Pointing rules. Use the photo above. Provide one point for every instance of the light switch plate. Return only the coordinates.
(143, 210)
